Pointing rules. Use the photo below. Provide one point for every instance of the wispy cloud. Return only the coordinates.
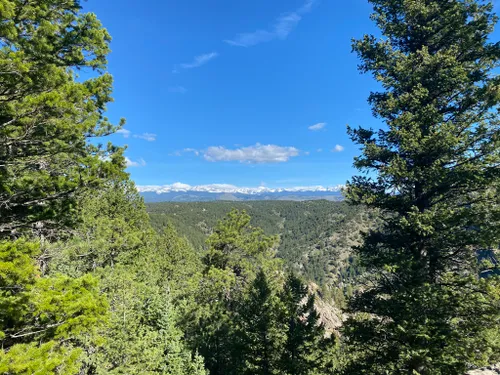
(338, 148)
(150, 137)
(252, 154)
(131, 163)
(318, 126)
(194, 151)
(280, 29)
(199, 61)
(319, 150)
(178, 89)
(186, 151)
(126, 133)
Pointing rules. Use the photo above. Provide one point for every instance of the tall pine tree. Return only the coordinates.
(306, 343)
(260, 334)
(48, 113)
(236, 253)
(434, 172)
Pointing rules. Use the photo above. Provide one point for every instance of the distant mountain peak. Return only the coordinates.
(231, 189)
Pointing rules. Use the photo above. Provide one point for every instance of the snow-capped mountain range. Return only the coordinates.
(179, 192)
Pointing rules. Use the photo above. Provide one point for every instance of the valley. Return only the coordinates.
(315, 236)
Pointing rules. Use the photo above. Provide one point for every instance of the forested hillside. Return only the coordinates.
(315, 237)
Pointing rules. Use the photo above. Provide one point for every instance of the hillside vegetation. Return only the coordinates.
(315, 236)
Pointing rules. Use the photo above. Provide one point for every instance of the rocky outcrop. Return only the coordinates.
(330, 315)
(490, 370)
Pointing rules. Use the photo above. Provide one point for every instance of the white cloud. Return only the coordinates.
(178, 89)
(150, 137)
(124, 132)
(319, 150)
(318, 126)
(252, 154)
(131, 163)
(146, 136)
(200, 60)
(338, 148)
(280, 29)
(185, 151)
(307, 7)
(196, 152)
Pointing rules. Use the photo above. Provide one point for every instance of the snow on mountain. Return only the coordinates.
(231, 189)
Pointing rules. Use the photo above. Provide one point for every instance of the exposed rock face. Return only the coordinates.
(490, 370)
(330, 315)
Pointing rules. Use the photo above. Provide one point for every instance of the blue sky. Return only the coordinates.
(246, 92)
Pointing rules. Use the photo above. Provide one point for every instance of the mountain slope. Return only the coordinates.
(315, 236)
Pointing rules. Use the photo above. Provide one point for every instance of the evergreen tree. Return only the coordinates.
(142, 336)
(306, 346)
(236, 253)
(239, 248)
(434, 173)
(137, 270)
(48, 114)
(42, 318)
(176, 261)
(249, 319)
(113, 227)
(260, 334)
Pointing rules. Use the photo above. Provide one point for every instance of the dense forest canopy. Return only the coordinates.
(93, 281)
(315, 237)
